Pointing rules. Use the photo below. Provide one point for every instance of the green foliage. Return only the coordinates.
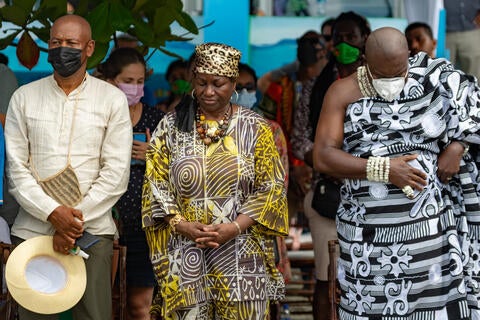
(147, 20)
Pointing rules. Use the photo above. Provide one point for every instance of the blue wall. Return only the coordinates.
(270, 43)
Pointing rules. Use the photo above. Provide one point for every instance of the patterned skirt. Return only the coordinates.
(410, 259)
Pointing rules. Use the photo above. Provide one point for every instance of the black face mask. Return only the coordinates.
(65, 60)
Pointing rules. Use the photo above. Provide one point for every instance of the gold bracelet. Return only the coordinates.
(176, 219)
(238, 227)
(466, 147)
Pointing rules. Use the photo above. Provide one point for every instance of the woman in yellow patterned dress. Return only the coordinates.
(213, 201)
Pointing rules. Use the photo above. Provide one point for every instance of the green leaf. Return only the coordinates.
(143, 32)
(101, 50)
(163, 19)
(50, 10)
(5, 42)
(187, 22)
(176, 5)
(172, 54)
(120, 17)
(139, 5)
(129, 3)
(101, 28)
(26, 4)
(15, 14)
(159, 41)
(42, 33)
(173, 37)
(82, 8)
(149, 20)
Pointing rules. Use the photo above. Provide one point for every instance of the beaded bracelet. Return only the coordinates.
(378, 169)
(386, 172)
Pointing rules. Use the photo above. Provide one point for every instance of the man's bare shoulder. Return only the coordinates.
(345, 90)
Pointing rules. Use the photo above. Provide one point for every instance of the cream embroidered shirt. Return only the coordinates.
(38, 125)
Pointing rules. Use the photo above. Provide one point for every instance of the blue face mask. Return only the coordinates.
(245, 99)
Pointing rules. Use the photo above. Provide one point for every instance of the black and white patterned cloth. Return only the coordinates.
(412, 259)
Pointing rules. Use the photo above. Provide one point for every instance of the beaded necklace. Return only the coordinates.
(364, 84)
(214, 133)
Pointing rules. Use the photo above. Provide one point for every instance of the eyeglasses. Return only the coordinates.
(248, 86)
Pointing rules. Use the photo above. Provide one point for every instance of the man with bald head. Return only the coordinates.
(396, 133)
(67, 161)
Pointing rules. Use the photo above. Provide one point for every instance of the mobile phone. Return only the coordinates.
(86, 240)
(139, 136)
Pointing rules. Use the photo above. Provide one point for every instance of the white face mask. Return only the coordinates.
(245, 99)
(388, 88)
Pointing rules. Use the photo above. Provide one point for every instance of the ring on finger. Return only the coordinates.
(408, 191)
(449, 178)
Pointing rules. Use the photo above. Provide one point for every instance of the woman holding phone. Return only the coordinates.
(126, 69)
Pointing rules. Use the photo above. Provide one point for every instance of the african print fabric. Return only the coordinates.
(242, 173)
(412, 259)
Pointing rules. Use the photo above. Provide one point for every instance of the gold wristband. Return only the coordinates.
(176, 219)
(238, 227)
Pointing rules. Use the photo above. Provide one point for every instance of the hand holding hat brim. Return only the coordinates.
(42, 280)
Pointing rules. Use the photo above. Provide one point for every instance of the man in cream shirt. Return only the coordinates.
(67, 141)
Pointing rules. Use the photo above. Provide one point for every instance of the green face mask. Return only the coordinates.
(181, 86)
(346, 54)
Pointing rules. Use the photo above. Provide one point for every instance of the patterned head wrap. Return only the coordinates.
(218, 59)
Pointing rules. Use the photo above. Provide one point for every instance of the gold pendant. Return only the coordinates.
(207, 140)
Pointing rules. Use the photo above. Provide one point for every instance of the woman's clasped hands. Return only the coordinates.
(207, 236)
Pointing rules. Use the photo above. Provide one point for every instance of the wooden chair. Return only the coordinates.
(119, 282)
(300, 288)
(9, 309)
(334, 291)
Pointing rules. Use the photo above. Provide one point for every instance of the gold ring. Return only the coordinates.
(449, 178)
(65, 248)
(408, 191)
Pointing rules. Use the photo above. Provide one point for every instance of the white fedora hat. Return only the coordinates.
(42, 280)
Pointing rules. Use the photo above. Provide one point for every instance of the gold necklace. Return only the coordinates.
(364, 84)
(213, 133)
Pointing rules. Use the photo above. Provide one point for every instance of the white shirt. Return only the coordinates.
(38, 124)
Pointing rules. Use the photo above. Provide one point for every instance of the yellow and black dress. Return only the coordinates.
(240, 174)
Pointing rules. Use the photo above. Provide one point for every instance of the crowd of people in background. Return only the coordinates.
(366, 138)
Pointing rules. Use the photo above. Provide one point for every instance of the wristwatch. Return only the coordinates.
(176, 219)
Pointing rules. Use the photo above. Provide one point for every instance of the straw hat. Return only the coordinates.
(42, 280)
